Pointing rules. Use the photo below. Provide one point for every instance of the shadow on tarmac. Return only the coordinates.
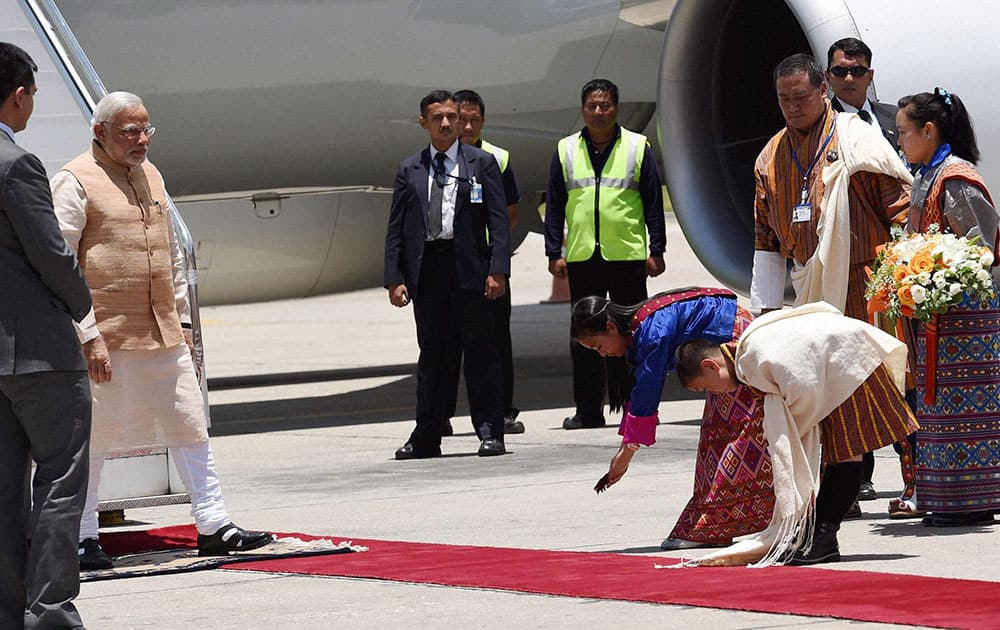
(542, 380)
(539, 382)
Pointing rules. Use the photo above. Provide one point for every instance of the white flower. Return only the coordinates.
(983, 276)
(955, 288)
(923, 278)
(918, 293)
(986, 259)
(940, 279)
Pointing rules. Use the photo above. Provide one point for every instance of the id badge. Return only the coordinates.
(802, 213)
(476, 192)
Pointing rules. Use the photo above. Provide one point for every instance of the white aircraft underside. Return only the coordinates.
(280, 124)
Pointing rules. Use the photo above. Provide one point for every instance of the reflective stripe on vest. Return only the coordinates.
(614, 197)
(502, 156)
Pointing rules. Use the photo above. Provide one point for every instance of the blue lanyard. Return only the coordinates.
(807, 171)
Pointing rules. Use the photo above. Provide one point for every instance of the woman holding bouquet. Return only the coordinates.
(733, 492)
(958, 407)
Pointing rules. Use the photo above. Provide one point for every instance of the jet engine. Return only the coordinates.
(717, 108)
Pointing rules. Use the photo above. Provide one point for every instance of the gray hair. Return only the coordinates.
(111, 104)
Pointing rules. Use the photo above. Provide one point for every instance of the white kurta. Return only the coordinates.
(153, 399)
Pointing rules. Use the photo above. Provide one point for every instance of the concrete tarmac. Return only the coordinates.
(311, 398)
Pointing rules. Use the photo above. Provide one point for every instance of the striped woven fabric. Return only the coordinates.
(733, 490)
(958, 444)
(876, 415)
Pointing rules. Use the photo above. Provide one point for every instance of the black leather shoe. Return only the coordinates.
(491, 447)
(867, 492)
(230, 538)
(575, 422)
(511, 424)
(408, 451)
(446, 429)
(824, 547)
(92, 557)
(853, 512)
(958, 519)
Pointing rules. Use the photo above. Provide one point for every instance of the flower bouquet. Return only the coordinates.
(925, 274)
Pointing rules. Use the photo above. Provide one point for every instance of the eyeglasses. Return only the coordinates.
(132, 132)
(855, 71)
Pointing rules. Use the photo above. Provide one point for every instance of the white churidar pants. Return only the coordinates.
(196, 468)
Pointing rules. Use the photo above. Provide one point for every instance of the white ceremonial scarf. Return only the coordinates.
(806, 361)
(862, 148)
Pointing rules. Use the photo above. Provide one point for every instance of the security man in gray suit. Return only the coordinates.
(44, 389)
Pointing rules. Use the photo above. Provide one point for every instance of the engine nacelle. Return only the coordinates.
(717, 107)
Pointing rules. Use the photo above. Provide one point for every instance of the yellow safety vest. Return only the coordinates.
(502, 156)
(613, 196)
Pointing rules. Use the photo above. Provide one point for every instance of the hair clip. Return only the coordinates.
(944, 94)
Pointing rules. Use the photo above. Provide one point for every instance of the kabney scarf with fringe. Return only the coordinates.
(806, 361)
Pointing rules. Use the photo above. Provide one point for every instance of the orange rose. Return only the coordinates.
(900, 272)
(921, 262)
(905, 297)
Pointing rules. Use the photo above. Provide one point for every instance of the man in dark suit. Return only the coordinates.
(849, 73)
(44, 391)
(444, 200)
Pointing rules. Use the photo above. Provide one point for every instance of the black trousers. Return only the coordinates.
(450, 319)
(45, 417)
(501, 309)
(625, 283)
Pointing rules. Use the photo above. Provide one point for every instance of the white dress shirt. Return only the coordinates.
(851, 109)
(450, 192)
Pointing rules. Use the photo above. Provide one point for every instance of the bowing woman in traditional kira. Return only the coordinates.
(958, 458)
(733, 492)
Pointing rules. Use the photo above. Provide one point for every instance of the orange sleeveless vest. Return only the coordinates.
(125, 252)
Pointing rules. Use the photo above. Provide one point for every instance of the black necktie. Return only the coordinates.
(437, 196)
(865, 116)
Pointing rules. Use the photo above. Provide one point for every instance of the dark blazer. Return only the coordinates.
(886, 115)
(475, 256)
(42, 283)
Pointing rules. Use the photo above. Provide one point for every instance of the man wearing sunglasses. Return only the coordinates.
(849, 73)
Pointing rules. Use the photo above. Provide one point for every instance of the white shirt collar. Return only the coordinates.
(7, 130)
(451, 153)
(851, 109)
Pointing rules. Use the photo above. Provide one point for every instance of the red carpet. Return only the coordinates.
(858, 595)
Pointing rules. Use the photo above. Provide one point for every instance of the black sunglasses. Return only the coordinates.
(855, 71)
